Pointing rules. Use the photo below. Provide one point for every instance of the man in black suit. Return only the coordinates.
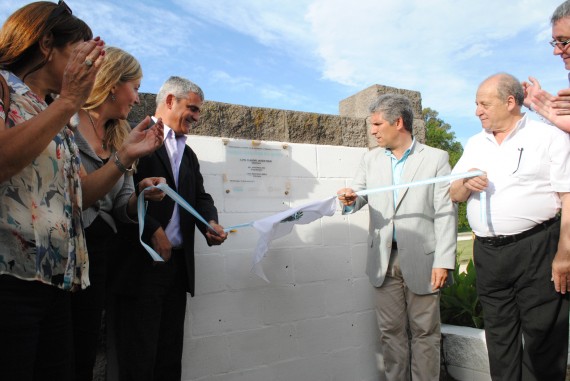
(150, 300)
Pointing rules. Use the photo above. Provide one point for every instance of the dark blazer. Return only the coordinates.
(191, 187)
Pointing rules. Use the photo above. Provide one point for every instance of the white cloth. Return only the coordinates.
(175, 148)
(281, 224)
(525, 173)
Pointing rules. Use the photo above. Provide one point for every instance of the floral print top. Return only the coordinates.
(41, 231)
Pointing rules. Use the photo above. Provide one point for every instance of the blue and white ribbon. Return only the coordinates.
(433, 180)
(141, 211)
(429, 181)
(483, 206)
(141, 205)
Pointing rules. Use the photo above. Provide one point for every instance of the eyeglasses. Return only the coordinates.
(560, 44)
(61, 8)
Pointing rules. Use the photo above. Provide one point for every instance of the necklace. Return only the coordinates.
(103, 145)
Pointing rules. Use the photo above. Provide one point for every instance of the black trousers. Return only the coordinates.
(87, 305)
(35, 331)
(526, 320)
(149, 326)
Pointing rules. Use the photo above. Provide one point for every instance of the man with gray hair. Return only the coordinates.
(151, 301)
(519, 211)
(413, 238)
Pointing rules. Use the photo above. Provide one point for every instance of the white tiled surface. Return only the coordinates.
(314, 320)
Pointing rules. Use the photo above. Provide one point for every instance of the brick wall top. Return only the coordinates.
(257, 123)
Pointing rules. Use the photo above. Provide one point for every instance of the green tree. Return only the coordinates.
(439, 135)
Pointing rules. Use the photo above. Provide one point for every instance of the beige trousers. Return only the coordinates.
(409, 328)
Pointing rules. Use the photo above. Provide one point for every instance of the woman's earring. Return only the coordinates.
(113, 97)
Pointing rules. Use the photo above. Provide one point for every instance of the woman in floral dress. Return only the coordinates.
(49, 60)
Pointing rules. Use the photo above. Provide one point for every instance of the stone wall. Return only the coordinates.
(356, 106)
(257, 123)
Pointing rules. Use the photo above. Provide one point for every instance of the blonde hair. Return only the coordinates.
(117, 68)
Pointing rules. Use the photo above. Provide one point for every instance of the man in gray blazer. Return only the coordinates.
(413, 239)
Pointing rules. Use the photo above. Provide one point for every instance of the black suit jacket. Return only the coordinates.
(191, 187)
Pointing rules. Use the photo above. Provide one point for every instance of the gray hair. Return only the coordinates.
(508, 85)
(179, 87)
(393, 106)
(561, 12)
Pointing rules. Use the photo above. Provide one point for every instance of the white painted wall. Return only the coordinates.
(314, 321)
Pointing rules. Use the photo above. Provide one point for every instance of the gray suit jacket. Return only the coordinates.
(425, 218)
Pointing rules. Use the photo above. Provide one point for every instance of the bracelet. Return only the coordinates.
(121, 167)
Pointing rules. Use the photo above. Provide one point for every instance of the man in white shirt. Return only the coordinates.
(520, 237)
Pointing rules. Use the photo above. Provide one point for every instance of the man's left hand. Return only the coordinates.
(153, 194)
(438, 278)
(218, 237)
(561, 271)
(561, 262)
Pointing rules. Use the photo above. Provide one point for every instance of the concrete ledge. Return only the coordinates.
(465, 353)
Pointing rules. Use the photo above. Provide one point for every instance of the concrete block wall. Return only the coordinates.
(315, 319)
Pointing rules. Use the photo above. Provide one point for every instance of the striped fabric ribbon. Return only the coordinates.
(141, 211)
(141, 205)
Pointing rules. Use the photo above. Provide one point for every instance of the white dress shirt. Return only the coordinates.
(175, 148)
(525, 172)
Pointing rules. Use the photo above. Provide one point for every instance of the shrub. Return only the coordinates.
(459, 302)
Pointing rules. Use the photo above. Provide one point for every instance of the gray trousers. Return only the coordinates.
(409, 328)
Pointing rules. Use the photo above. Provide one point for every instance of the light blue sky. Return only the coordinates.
(307, 55)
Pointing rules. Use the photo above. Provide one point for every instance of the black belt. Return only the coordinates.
(502, 240)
